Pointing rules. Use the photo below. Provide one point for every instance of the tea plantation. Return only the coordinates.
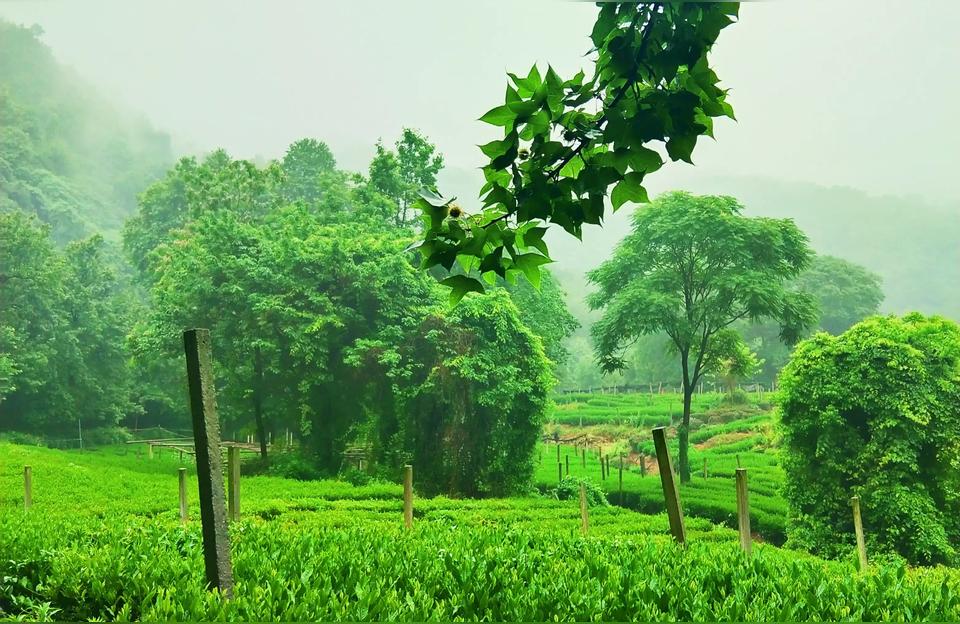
(103, 540)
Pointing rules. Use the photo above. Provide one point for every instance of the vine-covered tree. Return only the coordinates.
(875, 412)
(566, 143)
(691, 267)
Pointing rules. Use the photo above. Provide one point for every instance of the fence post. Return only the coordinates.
(583, 456)
(27, 487)
(408, 496)
(233, 482)
(743, 511)
(584, 517)
(558, 450)
(621, 479)
(559, 472)
(566, 459)
(182, 478)
(858, 528)
(670, 493)
(206, 435)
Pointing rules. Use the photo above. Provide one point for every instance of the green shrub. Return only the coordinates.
(875, 412)
(569, 489)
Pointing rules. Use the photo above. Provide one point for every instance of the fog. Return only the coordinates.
(858, 94)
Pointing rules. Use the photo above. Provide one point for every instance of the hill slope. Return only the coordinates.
(66, 155)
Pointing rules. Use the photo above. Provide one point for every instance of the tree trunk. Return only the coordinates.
(683, 435)
(258, 401)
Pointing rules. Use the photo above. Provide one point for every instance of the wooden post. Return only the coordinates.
(584, 516)
(621, 479)
(182, 478)
(858, 528)
(408, 496)
(566, 460)
(558, 451)
(233, 482)
(27, 487)
(603, 469)
(559, 472)
(670, 493)
(206, 435)
(743, 511)
(583, 457)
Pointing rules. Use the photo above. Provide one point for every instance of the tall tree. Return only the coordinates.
(691, 267)
(401, 174)
(846, 292)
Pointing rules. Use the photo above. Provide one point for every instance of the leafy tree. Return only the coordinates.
(567, 142)
(874, 413)
(62, 331)
(691, 267)
(846, 292)
(730, 359)
(305, 162)
(545, 311)
(400, 174)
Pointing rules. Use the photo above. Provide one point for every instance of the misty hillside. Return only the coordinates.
(67, 155)
(910, 243)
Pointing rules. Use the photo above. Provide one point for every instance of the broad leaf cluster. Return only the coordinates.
(567, 142)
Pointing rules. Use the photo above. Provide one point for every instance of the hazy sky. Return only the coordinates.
(862, 93)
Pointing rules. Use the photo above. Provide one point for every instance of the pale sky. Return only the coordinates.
(860, 93)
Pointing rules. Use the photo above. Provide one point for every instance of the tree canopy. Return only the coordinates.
(691, 267)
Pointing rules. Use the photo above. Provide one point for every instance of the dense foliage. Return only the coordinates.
(323, 325)
(874, 413)
(690, 268)
(567, 142)
(63, 364)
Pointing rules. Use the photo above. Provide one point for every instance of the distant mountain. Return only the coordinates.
(66, 154)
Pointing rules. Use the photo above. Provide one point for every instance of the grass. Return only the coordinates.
(103, 541)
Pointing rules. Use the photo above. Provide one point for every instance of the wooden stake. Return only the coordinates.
(206, 435)
(858, 528)
(566, 460)
(743, 511)
(621, 479)
(584, 515)
(559, 472)
(670, 493)
(233, 482)
(583, 456)
(182, 478)
(408, 496)
(27, 487)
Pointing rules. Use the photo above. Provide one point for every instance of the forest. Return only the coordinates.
(734, 401)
